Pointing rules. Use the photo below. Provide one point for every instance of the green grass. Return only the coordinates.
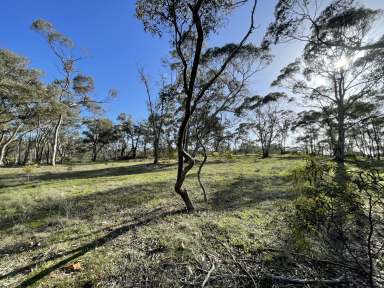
(123, 222)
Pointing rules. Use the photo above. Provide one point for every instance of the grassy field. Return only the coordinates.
(122, 225)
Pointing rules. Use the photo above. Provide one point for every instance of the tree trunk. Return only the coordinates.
(27, 152)
(2, 154)
(47, 153)
(55, 140)
(122, 152)
(145, 150)
(181, 171)
(156, 151)
(94, 153)
(339, 92)
(5, 145)
(340, 148)
(199, 172)
(17, 153)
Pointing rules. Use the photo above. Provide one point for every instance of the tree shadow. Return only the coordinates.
(83, 249)
(367, 163)
(248, 191)
(85, 206)
(289, 157)
(10, 180)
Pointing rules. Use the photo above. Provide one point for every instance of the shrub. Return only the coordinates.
(341, 211)
(29, 170)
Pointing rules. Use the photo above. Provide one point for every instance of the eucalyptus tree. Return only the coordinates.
(241, 136)
(167, 100)
(206, 130)
(211, 123)
(72, 90)
(367, 132)
(99, 133)
(313, 21)
(264, 116)
(335, 77)
(190, 24)
(21, 93)
(125, 134)
(70, 143)
(155, 118)
(161, 111)
(284, 125)
(309, 124)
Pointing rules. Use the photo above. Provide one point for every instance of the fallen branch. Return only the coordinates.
(208, 275)
(286, 280)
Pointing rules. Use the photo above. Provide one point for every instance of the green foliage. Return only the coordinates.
(339, 209)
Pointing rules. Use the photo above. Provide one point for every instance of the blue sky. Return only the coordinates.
(116, 44)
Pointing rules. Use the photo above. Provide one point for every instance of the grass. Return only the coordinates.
(123, 223)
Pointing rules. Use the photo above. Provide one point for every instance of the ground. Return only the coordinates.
(119, 224)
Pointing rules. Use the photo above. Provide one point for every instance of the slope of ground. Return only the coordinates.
(119, 224)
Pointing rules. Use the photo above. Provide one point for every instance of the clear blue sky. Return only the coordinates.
(116, 44)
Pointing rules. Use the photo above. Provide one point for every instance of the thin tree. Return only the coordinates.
(190, 24)
(72, 90)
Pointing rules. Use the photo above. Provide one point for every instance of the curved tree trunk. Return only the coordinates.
(181, 170)
(5, 145)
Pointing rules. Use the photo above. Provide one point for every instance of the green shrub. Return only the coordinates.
(338, 209)
(29, 170)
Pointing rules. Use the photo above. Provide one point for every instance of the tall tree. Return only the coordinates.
(21, 93)
(264, 116)
(190, 24)
(73, 89)
(312, 21)
(335, 77)
(99, 133)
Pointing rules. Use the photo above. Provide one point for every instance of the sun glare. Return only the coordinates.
(342, 62)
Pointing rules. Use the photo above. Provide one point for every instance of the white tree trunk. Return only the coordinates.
(55, 140)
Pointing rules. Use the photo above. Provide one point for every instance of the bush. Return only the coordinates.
(342, 212)
(29, 170)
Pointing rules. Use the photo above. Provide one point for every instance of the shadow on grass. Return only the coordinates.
(246, 192)
(85, 206)
(10, 180)
(290, 157)
(367, 163)
(80, 251)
